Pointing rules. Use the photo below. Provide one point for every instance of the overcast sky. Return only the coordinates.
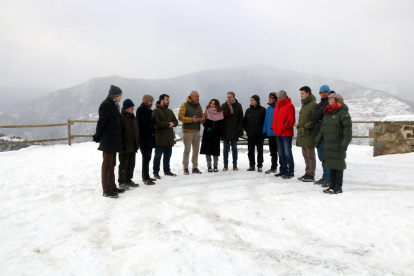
(61, 43)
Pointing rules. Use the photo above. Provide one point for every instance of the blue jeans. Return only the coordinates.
(226, 144)
(326, 172)
(167, 151)
(284, 145)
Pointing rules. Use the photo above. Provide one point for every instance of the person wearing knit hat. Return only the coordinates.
(336, 132)
(109, 136)
(253, 122)
(317, 117)
(268, 132)
(146, 136)
(131, 145)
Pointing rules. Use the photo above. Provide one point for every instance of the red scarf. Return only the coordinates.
(332, 108)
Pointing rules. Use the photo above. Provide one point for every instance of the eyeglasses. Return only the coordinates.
(324, 91)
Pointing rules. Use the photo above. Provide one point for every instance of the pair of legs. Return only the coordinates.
(310, 161)
(274, 152)
(107, 171)
(126, 167)
(337, 177)
(208, 158)
(191, 140)
(146, 152)
(252, 143)
(159, 151)
(226, 144)
(284, 145)
(326, 173)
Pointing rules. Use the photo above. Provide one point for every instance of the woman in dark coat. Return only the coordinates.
(210, 143)
(336, 131)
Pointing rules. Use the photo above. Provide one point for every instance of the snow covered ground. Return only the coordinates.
(54, 220)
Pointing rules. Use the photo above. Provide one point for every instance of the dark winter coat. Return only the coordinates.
(108, 129)
(164, 134)
(284, 118)
(317, 115)
(129, 132)
(232, 127)
(210, 143)
(146, 126)
(254, 120)
(336, 131)
(306, 136)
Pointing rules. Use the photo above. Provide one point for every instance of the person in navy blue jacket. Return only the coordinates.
(269, 132)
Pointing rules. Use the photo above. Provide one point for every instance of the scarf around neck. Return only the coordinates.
(331, 108)
(214, 115)
(229, 110)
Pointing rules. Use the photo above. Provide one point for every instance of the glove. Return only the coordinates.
(344, 149)
(95, 139)
(208, 129)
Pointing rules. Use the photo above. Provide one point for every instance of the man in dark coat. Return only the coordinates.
(164, 121)
(109, 136)
(146, 136)
(253, 125)
(131, 144)
(232, 128)
(306, 137)
(317, 117)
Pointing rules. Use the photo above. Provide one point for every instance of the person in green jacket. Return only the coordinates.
(336, 131)
(306, 133)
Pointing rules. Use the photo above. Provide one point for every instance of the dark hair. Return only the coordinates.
(306, 89)
(234, 95)
(216, 102)
(162, 97)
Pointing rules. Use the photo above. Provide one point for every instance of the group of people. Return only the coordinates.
(326, 126)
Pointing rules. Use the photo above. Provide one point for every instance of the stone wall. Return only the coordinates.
(392, 137)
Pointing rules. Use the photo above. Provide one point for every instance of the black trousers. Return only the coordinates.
(252, 142)
(146, 152)
(274, 152)
(337, 177)
(126, 167)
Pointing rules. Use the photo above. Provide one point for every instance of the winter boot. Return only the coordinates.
(326, 185)
(235, 168)
(195, 170)
(132, 184)
(149, 182)
(309, 178)
(119, 191)
(288, 176)
(270, 171)
(303, 176)
(328, 191)
(123, 186)
(209, 169)
(215, 169)
(225, 169)
(111, 194)
(251, 169)
(280, 174)
(320, 182)
(259, 169)
(157, 176)
(186, 172)
(170, 174)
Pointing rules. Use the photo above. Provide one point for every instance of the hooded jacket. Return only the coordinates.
(284, 118)
(306, 132)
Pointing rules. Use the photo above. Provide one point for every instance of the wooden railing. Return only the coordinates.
(71, 137)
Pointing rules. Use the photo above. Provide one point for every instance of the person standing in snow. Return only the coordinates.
(267, 131)
(305, 137)
(232, 128)
(146, 136)
(210, 144)
(191, 115)
(253, 121)
(131, 145)
(109, 136)
(317, 117)
(336, 132)
(282, 126)
(164, 121)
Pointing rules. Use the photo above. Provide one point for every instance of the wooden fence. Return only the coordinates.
(71, 137)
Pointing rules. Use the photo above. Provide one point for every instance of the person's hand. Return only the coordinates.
(201, 119)
(195, 119)
(95, 139)
(171, 124)
(344, 149)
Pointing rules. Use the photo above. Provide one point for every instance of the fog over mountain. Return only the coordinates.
(81, 102)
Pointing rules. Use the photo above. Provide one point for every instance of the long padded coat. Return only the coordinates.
(336, 131)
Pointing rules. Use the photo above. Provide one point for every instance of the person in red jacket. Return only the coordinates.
(282, 126)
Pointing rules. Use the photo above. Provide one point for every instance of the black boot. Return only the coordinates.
(209, 169)
(215, 169)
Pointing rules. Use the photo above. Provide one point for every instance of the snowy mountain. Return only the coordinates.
(82, 101)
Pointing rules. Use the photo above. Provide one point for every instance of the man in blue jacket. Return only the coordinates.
(269, 132)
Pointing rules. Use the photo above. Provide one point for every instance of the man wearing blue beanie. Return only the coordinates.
(317, 117)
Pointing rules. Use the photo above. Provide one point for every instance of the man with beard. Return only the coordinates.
(146, 136)
(164, 121)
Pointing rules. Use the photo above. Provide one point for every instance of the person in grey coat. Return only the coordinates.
(109, 136)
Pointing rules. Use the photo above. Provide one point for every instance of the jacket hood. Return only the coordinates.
(191, 102)
(286, 101)
(160, 106)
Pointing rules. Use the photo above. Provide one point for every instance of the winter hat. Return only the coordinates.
(115, 91)
(273, 95)
(256, 98)
(146, 98)
(325, 87)
(127, 104)
(337, 97)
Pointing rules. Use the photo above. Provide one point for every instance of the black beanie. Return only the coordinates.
(256, 98)
(115, 91)
(127, 104)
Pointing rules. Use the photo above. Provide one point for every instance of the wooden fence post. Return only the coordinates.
(69, 133)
